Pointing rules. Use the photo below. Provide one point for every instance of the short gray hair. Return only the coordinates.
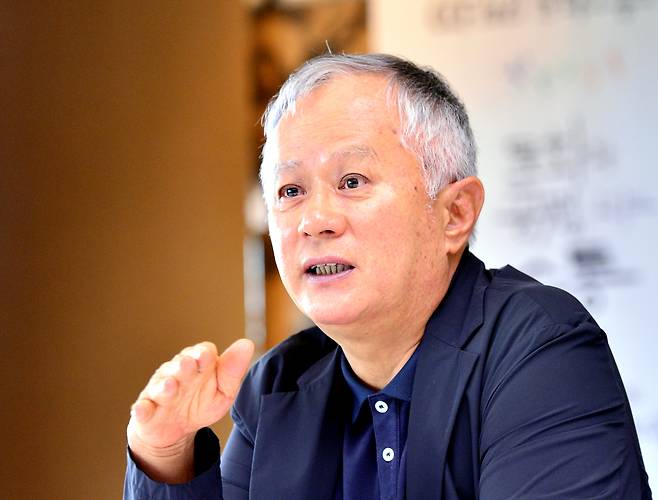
(435, 124)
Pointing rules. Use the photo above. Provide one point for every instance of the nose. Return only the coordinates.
(321, 217)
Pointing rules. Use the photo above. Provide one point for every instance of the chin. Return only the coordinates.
(335, 315)
(331, 319)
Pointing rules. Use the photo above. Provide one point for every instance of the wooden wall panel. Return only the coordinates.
(124, 158)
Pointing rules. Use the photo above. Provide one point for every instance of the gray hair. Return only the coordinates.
(435, 126)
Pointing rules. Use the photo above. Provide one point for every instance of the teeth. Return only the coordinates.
(330, 268)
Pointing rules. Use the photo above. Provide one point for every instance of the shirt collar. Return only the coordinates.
(461, 310)
(399, 388)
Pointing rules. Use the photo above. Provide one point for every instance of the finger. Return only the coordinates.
(187, 368)
(232, 366)
(162, 391)
(142, 410)
(204, 353)
(182, 367)
(209, 346)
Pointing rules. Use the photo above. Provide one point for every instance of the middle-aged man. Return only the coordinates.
(427, 376)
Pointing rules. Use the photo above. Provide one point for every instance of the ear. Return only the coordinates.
(462, 201)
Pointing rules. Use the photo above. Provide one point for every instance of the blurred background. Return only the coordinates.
(131, 223)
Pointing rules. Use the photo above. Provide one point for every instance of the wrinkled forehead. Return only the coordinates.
(343, 153)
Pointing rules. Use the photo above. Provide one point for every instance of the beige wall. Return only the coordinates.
(123, 161)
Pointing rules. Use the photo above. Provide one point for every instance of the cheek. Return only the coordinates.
(388, 235)
(279, 229)
(396, 219)
(403, 236)
(281, 239)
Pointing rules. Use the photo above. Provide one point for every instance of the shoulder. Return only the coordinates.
(549, 388)
(525, 319)
(516, 297)
(279, 370)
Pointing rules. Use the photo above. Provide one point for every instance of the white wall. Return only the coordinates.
(563, 102)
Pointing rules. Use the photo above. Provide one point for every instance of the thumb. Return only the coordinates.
(232, 366)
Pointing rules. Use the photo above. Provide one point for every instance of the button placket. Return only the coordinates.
(385, 426)
(384, 412)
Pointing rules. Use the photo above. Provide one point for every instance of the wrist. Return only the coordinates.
(172, 464)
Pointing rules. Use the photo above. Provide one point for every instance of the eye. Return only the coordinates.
(290, 191)
(352, 181)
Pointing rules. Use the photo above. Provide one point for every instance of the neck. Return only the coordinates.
(377, 350)
(376, 366)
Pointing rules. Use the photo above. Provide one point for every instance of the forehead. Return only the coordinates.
(347, 96)
(350, 116)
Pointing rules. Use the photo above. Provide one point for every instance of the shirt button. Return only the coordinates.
(381, 407)
(388, 454)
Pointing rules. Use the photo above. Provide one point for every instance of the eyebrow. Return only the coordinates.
(285, 165)
(355, 150)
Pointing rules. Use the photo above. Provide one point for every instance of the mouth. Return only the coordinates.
(328, 269)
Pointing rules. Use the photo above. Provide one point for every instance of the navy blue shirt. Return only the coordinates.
(374, 443)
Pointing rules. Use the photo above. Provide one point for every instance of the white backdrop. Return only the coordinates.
(563, 101)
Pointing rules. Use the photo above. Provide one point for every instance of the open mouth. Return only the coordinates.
(328, 269)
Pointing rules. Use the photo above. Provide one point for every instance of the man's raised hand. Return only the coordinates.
(193, 390)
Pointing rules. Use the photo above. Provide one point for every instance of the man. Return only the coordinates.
(427, 376)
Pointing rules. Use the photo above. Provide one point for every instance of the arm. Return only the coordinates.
(556, 423)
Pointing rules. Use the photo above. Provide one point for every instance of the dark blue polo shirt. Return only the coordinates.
(374, 443)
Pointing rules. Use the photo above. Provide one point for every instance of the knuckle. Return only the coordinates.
(187, 350)
(186, 362)
(208, 346)
(194, 352)
(168, 369)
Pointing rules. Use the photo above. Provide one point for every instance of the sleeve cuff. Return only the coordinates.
(206, 485)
